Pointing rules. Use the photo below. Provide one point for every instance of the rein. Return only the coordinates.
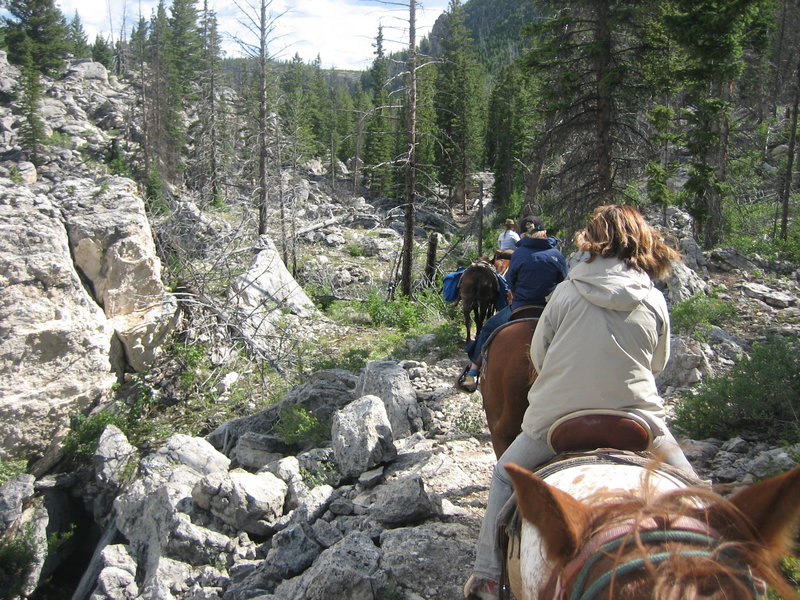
(685, 530)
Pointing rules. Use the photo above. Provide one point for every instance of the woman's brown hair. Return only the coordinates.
(620, 231)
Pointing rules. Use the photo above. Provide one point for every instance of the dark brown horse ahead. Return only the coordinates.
(507, 375)
(478, 290)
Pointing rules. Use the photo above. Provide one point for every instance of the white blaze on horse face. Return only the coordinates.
(581, 482)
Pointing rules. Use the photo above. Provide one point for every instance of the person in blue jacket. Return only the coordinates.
(537, 266)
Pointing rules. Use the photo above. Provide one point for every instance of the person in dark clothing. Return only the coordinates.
(537, 266)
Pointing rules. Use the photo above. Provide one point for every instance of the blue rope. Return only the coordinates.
(635, 565)
(646, 537)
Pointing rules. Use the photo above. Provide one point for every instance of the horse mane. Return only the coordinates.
(740, 552)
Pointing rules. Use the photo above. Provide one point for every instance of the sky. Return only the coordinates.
(341, 32)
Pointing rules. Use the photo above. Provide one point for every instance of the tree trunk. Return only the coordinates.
(263, 194)
(430, 264)
(411, 167)
(786, 192)
(713, 199)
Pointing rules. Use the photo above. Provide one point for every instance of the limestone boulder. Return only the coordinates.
(56, 343)
(390, 382)
(362, 436)
(267, 289)
(112, 245)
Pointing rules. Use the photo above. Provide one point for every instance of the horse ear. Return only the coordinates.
(560, 518)
(772, 507)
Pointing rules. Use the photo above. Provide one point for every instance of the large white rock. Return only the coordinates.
(112, 245)
(362, 436)
(55, 342)
(267, 287)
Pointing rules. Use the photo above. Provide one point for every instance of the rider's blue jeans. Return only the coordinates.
(475, 347)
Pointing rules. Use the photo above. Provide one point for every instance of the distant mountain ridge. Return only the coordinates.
(495, 26)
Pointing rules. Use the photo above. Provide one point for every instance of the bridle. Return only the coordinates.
(683, 530)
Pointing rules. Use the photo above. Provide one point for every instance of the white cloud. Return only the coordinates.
(341, 32)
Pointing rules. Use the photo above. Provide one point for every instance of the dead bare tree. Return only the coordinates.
(259, 19)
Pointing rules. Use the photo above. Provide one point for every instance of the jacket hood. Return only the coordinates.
(608, 283)
(538, 243)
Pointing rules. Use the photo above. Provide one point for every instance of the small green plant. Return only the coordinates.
(298, 424)
(354, 250)
(790, 566)
(321, 297)
(14, 175)
(327, 474)
(760, 396)
(192, 357)
(16, 556)
(696, 314)
(391, 592)
(448, 338)
(10, 469)
(469, 420)
(85, 431)
(58, 538)
(60, 139)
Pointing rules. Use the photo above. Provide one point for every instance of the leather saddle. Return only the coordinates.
(599, 428)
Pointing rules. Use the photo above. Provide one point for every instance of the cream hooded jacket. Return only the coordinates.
(601, 339)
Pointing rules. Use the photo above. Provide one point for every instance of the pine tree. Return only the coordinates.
(164, 124)
(209, 162)
(459, 105)
(42, 24)
(510, 129)
(185, 47)
(79, 43)
(102, 52)
(713, 35)
(295, 111)
(588, 58)
(32, 129)
(380, 129)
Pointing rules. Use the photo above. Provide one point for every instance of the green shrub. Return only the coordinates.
(401, 313)
(696, 314)
(354, 250)
(85, 432)
(327, 474)
(10, 469)
(751, 228)
(760, 396)
(16, 556)
(353, 359)
(193, 358)
(298, 424)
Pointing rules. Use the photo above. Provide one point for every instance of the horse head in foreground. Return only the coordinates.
(634, 532)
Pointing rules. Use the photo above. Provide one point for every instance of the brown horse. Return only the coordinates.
(643, 535)
(478, 290)
(502, 260)
(506, 376)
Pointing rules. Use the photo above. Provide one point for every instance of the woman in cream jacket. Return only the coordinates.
(601, 339)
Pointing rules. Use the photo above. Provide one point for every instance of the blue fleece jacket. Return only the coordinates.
(535, 270)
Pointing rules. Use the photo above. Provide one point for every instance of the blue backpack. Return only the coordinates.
(450, 284)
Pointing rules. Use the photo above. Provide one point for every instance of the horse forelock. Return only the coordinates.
(728, 571)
